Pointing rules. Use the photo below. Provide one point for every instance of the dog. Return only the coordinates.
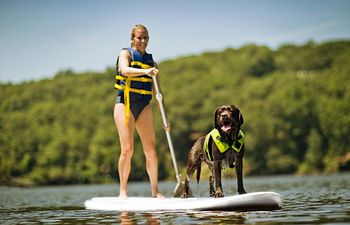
(223, 147)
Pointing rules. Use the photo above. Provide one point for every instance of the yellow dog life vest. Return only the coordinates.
(222, 146)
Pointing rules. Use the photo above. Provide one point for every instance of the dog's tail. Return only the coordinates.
(199, 169)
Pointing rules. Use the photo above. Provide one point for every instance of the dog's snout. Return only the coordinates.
(225, 117)
(225, 114)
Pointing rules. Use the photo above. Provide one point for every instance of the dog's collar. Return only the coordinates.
(222, 146)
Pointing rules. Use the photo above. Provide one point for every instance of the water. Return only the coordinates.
(306, 200)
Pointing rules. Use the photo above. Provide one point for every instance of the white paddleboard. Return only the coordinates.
(247, 202)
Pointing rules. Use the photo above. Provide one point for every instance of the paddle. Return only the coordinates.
(159, 97)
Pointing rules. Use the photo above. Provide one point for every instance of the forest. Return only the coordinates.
(295, 101)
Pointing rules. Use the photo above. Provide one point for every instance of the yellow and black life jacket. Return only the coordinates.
(138, 88)
(222, 146)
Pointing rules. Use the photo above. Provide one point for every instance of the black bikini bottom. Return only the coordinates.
(135, 106)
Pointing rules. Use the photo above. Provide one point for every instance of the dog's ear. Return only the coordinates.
(240, 117)
(216, 125)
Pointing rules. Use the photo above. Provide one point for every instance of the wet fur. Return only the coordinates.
(224, 116)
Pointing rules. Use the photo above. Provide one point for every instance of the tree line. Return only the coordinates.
(295, 102)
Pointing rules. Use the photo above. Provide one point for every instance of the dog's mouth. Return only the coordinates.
(226, 128)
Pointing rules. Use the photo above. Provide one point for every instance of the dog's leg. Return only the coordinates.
(211, 181)
(211, 186)
(239, 168)
(194, 161)
(217, 173)
(189, 173)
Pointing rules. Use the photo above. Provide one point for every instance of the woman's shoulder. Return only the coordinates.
(124, 52)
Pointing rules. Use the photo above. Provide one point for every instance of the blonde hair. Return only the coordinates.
(137, 26)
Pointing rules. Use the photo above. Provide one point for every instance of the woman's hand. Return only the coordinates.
(152, 72)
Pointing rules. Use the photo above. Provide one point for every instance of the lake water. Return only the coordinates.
(322, 199)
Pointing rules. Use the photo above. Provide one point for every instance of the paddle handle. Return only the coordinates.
(159, 98)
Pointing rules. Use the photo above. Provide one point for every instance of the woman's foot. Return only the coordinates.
(158, 195)
(123, 194)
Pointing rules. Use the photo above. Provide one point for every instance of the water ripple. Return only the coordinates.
(306, 200)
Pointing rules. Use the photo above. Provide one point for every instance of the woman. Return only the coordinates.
(135, 68)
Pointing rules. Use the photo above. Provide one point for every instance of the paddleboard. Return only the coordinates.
(247, 202)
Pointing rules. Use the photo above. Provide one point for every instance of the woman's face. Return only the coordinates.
(140, 40)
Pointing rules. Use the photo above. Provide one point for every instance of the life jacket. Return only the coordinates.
(138, 88)
(222, 146)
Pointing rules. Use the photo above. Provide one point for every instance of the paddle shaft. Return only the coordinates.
(159, 98)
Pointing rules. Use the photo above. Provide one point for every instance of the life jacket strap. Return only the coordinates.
(140, 64)
(127, 89)
(140, 79)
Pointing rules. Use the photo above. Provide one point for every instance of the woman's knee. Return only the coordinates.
(150, 154)
(127, 151)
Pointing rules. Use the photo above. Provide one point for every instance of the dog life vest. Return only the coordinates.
(222, 146)
(138, 88)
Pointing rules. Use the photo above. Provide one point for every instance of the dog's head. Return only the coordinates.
(228, 120)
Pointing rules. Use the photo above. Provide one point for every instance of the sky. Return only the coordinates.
(39, 38)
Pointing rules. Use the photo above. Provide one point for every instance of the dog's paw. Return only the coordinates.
(218, 194)
(241, 192)
(184, 195)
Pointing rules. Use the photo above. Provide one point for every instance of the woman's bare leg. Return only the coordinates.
(145, 129)
(127, 147)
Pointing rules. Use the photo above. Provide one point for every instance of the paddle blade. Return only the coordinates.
(179, 190)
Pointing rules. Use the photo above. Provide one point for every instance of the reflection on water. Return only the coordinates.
(127, 218)
(306, 200)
